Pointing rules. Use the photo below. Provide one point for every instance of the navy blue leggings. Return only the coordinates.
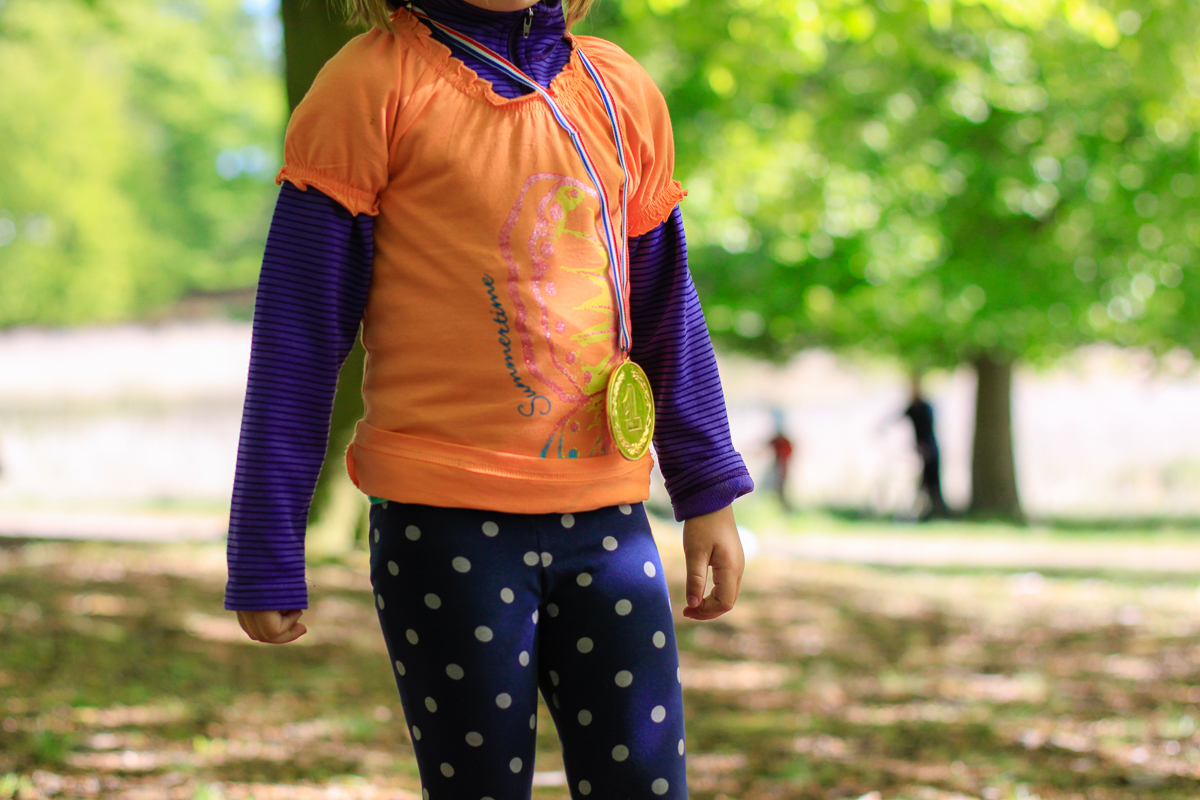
(480, 609)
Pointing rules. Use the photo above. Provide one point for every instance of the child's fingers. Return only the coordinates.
(697, 574)
(290, 635)
(726, 585)
(272, 627)
(281, 628)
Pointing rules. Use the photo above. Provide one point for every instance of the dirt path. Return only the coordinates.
(1017, 552)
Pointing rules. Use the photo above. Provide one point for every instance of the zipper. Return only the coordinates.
(526, 27)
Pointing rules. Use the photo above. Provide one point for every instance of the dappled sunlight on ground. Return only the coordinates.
(121, 676)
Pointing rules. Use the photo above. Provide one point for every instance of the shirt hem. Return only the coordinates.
(410, 469)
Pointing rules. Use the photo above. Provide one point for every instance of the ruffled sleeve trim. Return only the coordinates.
(355, 200)
(647, 219)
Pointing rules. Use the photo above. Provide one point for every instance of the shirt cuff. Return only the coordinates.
(267, 595)
(713, 498)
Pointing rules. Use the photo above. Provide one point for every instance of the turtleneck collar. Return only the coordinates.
(503, 31)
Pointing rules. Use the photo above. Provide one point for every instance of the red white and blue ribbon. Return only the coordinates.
(615, 243)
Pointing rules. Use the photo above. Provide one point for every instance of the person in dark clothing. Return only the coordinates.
(920, 413)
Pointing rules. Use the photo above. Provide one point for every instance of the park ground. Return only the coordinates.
(1060, 669)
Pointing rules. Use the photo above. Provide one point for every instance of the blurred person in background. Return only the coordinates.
(782, 450)
(920, 413)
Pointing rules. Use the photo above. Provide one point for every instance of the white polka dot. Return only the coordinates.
(411, 635)
(483, 633)
(425, 794)
(585, 787)
(552, 610)
(448, 771)
(625, 509)
(379, 601)
(412, 533)
(506, 595)
(454, 671)
(546, 559)
(461, 564)
(433, 601)
(624, 607)
(659, 639)
(515, 765)
(554, 677)
(658, 714)
(377, 536)
(431, 704)
(490, 528)
(504, 699)
(384, 504)
(681, 747)
(474, 738)
(660, 786)
(393, 568)
(584, 645)
(554, 699)
(584, 579)
(610, 543)
(679, 674)
(623, 678)
(532, 721)
(649, 569)
(585, 717)
(400, 668)
(523, 659)
(568, 520)
(416, 733)
(531, 559)
(620, 753)
(535, 616)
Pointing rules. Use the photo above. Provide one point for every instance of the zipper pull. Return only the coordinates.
(528, 23)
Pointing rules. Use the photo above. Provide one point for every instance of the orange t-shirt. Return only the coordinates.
(490, 328)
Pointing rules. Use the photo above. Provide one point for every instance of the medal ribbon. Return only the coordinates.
(616, 247)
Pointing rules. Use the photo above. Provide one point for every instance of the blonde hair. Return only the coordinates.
(378, 13)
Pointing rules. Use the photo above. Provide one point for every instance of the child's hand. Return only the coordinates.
(712, 540)
(272, 627)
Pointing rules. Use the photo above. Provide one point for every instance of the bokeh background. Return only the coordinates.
(1002, 196)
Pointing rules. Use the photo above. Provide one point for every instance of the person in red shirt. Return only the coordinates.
(782, 449)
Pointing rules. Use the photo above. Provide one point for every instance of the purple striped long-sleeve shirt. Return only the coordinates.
(311, 295)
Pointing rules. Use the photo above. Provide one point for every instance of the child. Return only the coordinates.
(507, 233)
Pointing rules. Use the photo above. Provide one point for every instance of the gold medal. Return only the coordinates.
(630, 410)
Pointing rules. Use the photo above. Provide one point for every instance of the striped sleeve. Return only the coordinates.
(311, 295)
(704, 473)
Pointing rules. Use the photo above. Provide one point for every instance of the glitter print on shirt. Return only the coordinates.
(563, 307)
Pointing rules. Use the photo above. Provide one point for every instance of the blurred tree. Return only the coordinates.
(139, 143)
(313, 31)
(945, 181)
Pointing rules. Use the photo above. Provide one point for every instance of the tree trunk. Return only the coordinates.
(313, 30)
(347, 411)
(993, 468)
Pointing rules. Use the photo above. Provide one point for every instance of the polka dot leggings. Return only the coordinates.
(480, 609)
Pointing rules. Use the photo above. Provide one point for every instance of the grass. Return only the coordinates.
(121, 677)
